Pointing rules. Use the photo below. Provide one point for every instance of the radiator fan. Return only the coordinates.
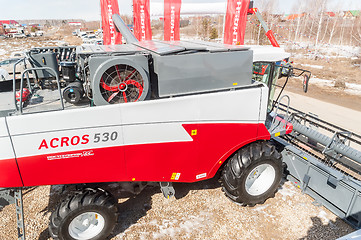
(120, 80)
(121, 84)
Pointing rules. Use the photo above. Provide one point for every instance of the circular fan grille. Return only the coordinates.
(121, 84)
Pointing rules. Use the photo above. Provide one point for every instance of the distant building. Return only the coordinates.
(331, 14)
(293, 16)
(352, 13)
(9, 22)
(74, 23)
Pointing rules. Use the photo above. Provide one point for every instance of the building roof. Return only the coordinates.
(355, 13)
(294, 16)
(331, 14)
(8, 22)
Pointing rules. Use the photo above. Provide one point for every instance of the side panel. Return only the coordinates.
(182, 74)
(178, 139)
(9, 173)
(73, 146)
(200, 133)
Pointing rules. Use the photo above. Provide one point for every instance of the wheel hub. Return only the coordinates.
(260, 179)
(86, 226)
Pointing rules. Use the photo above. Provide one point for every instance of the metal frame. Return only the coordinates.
(21, 86)
(337, 192)
(15, 195)
(328, 169)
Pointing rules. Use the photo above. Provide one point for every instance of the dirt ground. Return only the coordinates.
(340, 68)
(199, 211)
(326, 94)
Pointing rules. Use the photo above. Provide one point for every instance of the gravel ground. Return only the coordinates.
(199, 211)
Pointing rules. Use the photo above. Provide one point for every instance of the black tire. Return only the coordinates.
(239, 167)
(90, 200)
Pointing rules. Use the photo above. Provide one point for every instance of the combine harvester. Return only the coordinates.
(163, 112)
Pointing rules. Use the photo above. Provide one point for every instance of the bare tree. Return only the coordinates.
(333, 28)
(323, 5)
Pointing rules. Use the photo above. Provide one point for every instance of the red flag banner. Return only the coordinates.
(172, 19)
(110, 35)
(142, 28)
(235, 25)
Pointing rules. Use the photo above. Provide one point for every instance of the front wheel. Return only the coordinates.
(88, 215)
(252, 174)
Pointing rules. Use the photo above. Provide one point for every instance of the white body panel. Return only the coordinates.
(156, 121)
(268, 53)
(154, 133)
(6, 149)
(238, 105)
(3, 129)
(62, 120)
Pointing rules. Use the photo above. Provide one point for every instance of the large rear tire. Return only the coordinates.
(253, 174)
(88, 215)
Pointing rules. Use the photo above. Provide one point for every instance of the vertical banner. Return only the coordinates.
(235, 25)
(110, 35)
(172, 19)
(142, 28)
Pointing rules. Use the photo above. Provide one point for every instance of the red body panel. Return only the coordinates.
(193, 160)
(11, 178)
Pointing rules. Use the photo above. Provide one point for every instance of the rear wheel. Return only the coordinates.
(89, 215)
(252, 174)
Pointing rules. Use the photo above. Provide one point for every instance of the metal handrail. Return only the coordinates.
(14, 80)
(35, 69)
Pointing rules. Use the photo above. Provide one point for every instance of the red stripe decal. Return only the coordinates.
(212, 144)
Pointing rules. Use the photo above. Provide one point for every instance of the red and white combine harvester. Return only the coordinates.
(139, 113)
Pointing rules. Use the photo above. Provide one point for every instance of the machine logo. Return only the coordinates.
(142, 21)
(172, 20)
(64, 142)
(235, 23)
(111, 24)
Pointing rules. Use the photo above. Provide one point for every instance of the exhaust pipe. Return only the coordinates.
(123, 29)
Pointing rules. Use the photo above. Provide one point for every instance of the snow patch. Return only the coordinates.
(262, 208)
(186, 226)
(312, 66)
(353, 88)
(323, 215)
(2, 52)
(327, 50)
(322, 82)
(287, 191)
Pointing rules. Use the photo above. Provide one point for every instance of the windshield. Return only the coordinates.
(267, 73)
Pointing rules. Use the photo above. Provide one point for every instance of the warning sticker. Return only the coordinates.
(175, 176)
(203, 175)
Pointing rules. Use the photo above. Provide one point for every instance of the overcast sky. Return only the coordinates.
(90, 9)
